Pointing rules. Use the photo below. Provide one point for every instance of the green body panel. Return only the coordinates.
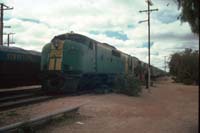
(90, 56)
(81, 58)
(77, 57)
(107, 63)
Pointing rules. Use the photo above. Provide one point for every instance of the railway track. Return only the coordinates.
(12, 98)
(18, 91)
(16, 98)
(22, 102)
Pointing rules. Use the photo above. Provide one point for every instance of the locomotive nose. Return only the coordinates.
(56, 54)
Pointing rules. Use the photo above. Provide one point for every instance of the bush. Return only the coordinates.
(188, 81)
(184, 66)
(128, 85)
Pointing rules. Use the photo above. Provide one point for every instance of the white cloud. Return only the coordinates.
(82, 16)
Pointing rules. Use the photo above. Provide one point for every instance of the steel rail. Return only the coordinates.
(10, 105)
(16, 97)
(15, 92)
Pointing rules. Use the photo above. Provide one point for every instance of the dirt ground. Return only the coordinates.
(169, 108)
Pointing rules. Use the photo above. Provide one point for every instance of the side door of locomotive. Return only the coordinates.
(93, 57)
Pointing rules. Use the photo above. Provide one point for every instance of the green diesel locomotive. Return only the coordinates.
(72, 62)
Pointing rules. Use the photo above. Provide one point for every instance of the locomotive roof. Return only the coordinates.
(18, 50)
(79, 38)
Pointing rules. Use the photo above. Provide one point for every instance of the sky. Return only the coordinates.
(36, 22)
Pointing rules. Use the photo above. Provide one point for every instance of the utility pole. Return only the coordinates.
(165, 63)
(8, 39)
(2, 8)
(149, 3)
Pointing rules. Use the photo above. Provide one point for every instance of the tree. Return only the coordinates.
(185, 66)
(190, 13)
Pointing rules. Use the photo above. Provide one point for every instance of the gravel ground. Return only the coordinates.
(169, 108)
